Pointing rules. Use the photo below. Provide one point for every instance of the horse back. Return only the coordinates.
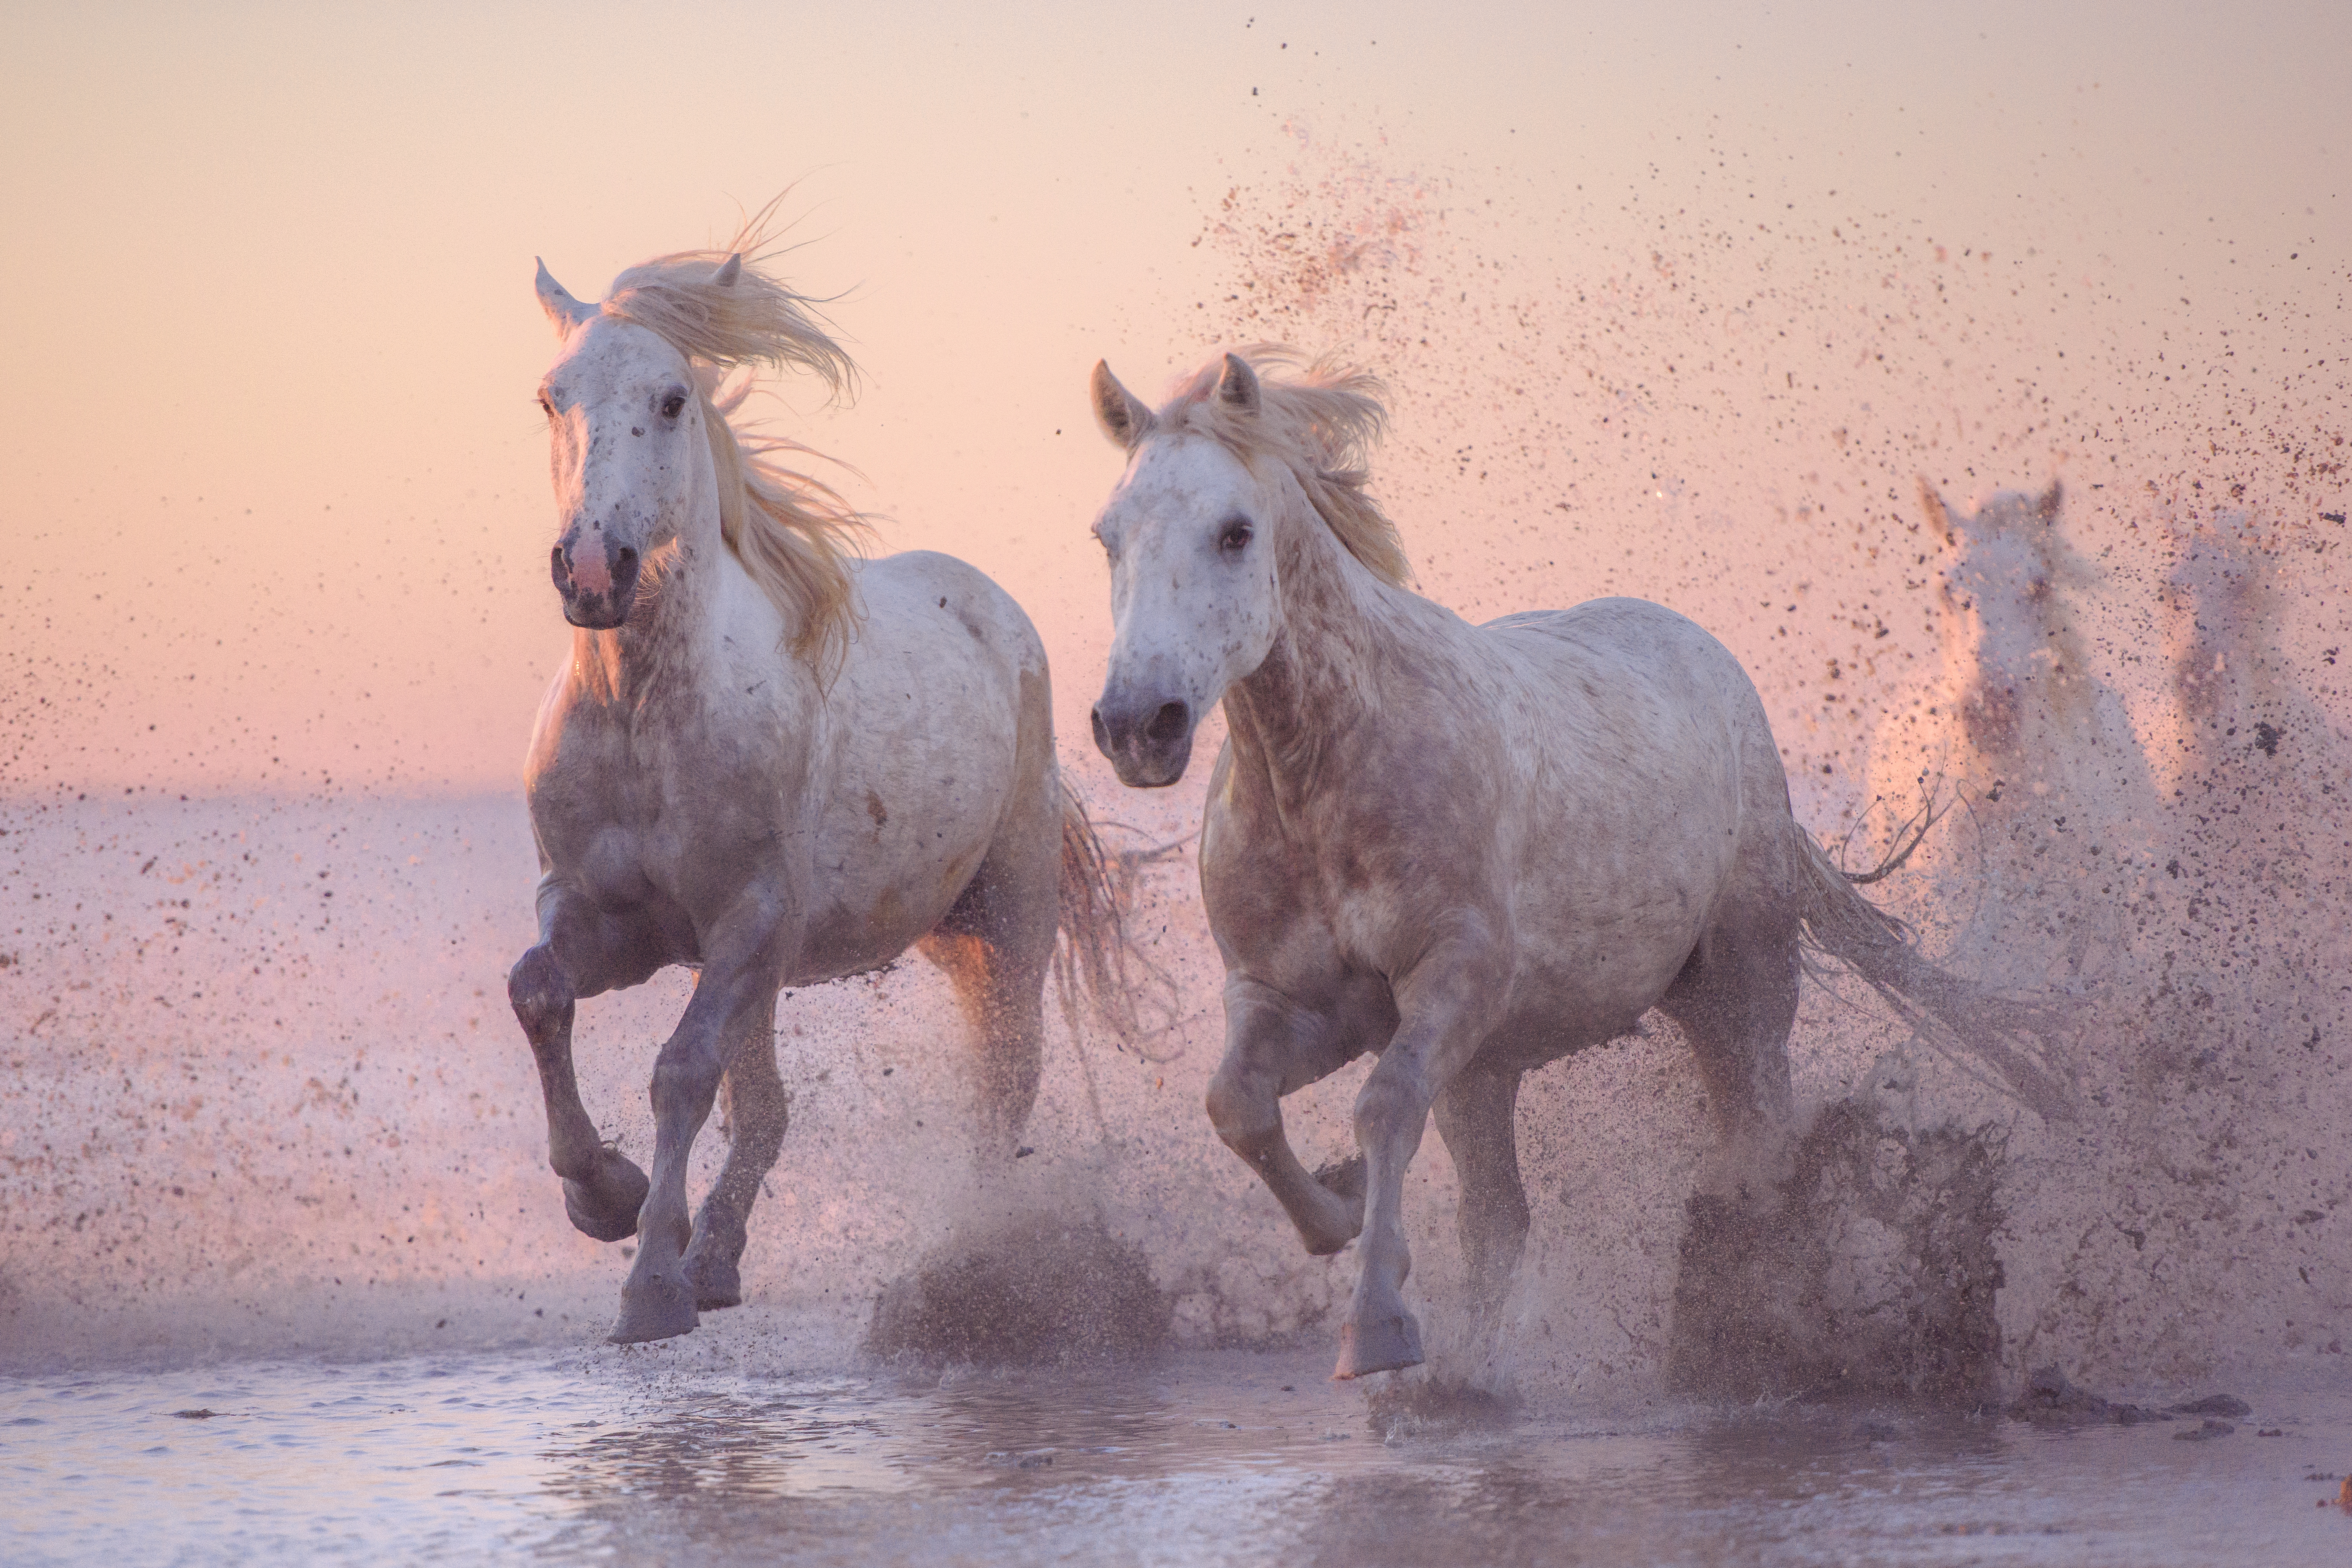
(1656, 802)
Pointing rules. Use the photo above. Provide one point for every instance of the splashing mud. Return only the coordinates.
(1027, 1292)
(1870, 1271)
(246, 1106)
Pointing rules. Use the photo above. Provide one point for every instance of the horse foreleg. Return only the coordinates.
(601, 1189)
(658, 1299)
(758, 1108)
(1445, 1006)
(1272, 1049)
(1477, 1115)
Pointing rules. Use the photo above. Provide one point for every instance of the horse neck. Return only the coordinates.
(1338, 624)
(669, 641)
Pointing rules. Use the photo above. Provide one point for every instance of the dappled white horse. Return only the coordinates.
(766, 761)
(1470, 850)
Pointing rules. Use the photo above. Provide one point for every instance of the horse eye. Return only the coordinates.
(1236, 537)
(672, 406)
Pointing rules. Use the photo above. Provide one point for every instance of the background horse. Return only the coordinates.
(2034, 877)
(1472, 850)
(768, 761)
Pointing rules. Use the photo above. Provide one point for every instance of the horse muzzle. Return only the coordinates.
(598, 593)
(1147, 738)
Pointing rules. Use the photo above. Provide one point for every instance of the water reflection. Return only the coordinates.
(1234, 1459)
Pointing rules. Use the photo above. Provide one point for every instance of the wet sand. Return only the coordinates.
(722, 1450)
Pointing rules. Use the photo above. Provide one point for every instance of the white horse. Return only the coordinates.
(766, 761)
(2056, 818)
(1471, 850)
(2258, 769)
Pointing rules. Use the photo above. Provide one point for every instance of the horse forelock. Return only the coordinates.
(1318, 424)
(752, 319)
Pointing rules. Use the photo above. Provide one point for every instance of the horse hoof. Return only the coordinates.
(717, 1283)
(605, 1205)
(1343, 1178)
(659, 1306)
(1382, 1346)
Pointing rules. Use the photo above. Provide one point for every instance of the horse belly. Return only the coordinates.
(1619, 889)
(931, 720)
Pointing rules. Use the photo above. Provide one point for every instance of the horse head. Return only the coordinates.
(2219, 606)
(2004, 634)
(625, 418)
(1194, 594)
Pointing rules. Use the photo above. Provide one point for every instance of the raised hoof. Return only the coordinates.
(1343, 1178)
(1384, 1346)
(605, 1206)
(659, 1306)
(717, 1283)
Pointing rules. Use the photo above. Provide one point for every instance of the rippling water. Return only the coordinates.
(1210, 1458)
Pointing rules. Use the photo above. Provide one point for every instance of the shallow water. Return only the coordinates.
(591, 1454)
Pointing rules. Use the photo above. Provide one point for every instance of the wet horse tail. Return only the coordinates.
(1966, 1022)
(1096, 964)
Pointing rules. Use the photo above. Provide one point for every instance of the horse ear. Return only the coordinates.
(2046, 509)
(1121, 415)
(1237, 388)
(561, 309)
(728, 270)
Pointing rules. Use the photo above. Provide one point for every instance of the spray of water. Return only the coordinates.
(261, 1090)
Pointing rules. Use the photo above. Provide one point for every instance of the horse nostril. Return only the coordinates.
(559, 567)
(625, 561)
(1102, 733)
(1170, 725)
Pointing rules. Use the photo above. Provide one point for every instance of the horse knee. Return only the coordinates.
(1388, 1108)
(684, 1086)
(537, 989)
(1246, 1117)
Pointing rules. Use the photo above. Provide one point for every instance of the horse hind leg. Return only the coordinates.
(1477, 1115)
(994, 945)
(1735, 1001)
(758, 1107)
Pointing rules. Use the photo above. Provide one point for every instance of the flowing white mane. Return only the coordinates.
(791, 532)
(1320, 422)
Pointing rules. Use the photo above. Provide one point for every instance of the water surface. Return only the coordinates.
(592, 1455)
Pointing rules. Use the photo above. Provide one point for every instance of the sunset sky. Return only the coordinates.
(276, 489)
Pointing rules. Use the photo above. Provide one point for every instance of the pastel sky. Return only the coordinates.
(276, 488)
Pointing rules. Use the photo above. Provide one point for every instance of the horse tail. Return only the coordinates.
(1958, 1017)
(1095, 962)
